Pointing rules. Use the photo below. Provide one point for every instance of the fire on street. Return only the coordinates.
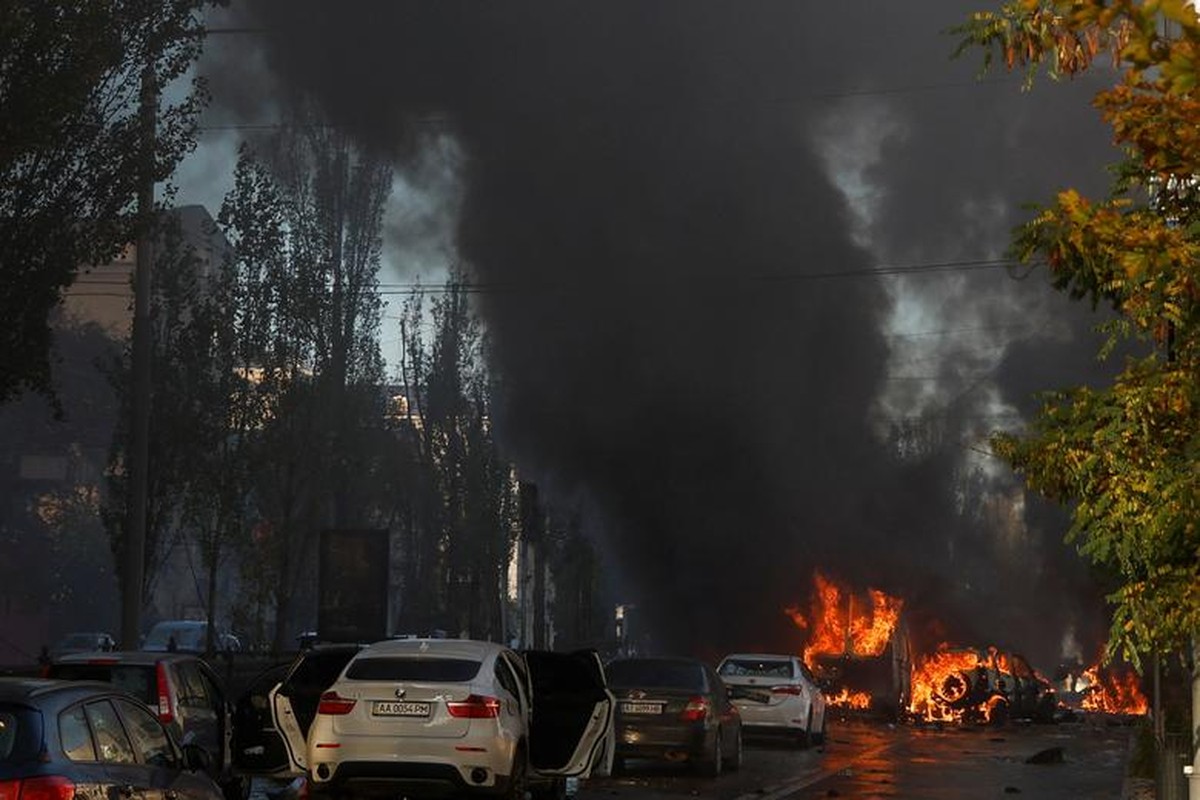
(869, 760)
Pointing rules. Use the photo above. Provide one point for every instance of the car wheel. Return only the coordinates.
(518, 779)
(804, 738)
(237, 788)
(554, 790)
(819, 737)
(711, 765)
(733, 762)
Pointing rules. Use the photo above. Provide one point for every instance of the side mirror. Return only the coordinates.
(196, 758)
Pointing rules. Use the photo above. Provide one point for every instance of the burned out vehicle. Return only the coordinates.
(981, 686)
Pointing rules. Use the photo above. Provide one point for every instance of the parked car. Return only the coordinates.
(65, 739)
(187, 636)
(83, 643)
(423, 717)
(184, 691)
(258, 745)
(775, 694)
(675, 709)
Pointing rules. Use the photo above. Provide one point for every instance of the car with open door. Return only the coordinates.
(423, 717)
(284, 695)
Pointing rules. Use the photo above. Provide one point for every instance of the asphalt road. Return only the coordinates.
(1082, 761)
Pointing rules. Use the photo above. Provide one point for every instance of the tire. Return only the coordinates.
(818, 738)
(804, 738)
(733, 762)
(518, 779)
(711, 765)
(554, 790)
(237, 788)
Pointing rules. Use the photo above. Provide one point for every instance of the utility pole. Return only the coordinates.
(134, 555)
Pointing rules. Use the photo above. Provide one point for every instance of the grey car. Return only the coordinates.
(183, 690)
(72, 739)
(674, 709)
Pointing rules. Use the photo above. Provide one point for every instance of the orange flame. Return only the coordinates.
(849, 699)
(841, 623)
(1113, 692)
(946, 685)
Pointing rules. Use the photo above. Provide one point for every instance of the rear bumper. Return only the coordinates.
(389, 779)
(788, 716)
(673, 743)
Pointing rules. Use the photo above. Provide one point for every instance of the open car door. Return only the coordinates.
(258, 747)
(571, 716)
(294, 702)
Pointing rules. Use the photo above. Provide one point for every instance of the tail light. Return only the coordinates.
(795, 691)
(45, 787)
(334, 704)
(166, 700)
(476, 706)
(695, 710)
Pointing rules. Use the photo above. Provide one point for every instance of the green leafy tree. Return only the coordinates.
(461, 508)
(72, 152)
(305, 220)
(1126, 457)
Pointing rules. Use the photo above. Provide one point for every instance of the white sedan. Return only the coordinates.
(775, 694)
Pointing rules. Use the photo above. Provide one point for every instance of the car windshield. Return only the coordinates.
(20, 734)
(80, 640)
(136, 679)
(435, 670)
(656, 673)
(756, 668)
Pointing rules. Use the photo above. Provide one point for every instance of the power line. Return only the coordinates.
(886, 270)
(779, 100)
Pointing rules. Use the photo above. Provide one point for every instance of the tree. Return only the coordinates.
(461, 509)
(305, 222)
(71, 150)
(1124, 456)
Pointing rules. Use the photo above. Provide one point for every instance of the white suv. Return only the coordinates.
(775, 694)
(424, 716)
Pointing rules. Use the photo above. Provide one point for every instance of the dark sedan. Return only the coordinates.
(674, 709)
(61, 740)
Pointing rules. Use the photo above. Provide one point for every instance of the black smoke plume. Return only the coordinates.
(686, 327)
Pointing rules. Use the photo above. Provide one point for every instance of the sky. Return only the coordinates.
(733, 247)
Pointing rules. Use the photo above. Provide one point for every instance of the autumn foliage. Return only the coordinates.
(1125, 457)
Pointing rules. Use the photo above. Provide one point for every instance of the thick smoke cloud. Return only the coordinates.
(671, 205)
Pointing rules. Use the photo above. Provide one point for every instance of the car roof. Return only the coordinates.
(445, 648)
(759, 656)
(29, 690)
(181, 624)
(134, 657)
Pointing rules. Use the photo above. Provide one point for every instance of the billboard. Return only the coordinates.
(352, 586)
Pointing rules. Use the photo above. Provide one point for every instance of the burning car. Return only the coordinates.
(958, 684)
(857, 648)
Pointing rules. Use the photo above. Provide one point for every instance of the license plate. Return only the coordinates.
(641, 708)
(399, 708)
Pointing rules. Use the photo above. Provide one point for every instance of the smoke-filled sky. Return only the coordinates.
(680, 209)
